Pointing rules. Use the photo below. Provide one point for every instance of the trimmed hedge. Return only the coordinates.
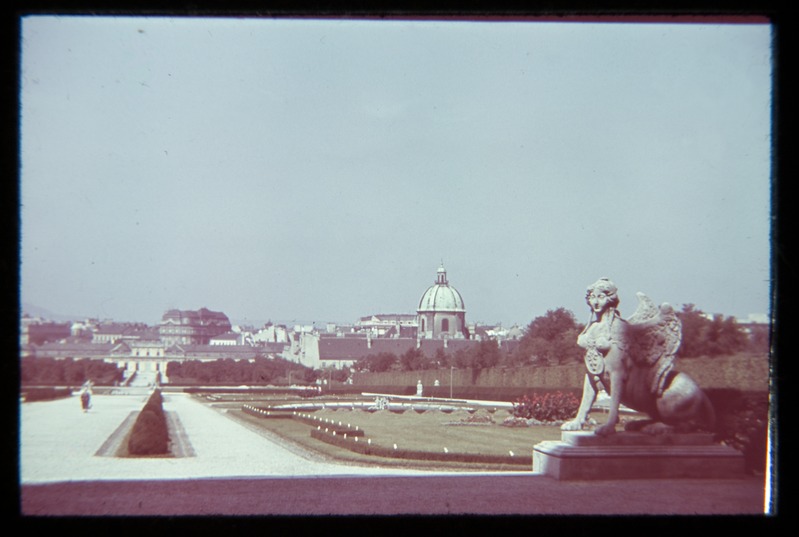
(150, 433)
(266, 413)
(366, 448)
(308, 420)
(46, 394)
(330, 425)
(508, 394)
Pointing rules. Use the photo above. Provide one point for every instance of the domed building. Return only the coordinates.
(441, 312)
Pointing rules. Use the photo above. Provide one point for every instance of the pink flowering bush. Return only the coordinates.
(549, 407)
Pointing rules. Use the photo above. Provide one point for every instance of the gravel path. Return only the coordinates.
(59, 442)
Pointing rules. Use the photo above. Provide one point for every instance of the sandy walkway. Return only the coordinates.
(59, 442)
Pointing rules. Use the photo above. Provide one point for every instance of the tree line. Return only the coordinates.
(551, 339)
(229, 371)
(70, 372)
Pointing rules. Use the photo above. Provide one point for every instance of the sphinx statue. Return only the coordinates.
(634, 361)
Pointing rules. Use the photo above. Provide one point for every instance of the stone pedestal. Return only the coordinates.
(582, 455)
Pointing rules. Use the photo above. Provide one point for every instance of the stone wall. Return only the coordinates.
(553, 377)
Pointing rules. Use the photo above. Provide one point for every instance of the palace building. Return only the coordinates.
(187, 327)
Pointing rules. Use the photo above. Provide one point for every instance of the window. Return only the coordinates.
(445, 325)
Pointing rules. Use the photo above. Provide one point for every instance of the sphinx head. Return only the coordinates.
(601, 295)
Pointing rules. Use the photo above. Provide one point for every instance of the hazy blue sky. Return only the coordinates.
(322, 170)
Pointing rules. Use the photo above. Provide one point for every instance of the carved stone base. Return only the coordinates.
(582, 455)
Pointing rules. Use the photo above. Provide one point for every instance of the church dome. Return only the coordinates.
(441, 296)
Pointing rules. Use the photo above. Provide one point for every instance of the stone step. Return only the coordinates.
(589, 438)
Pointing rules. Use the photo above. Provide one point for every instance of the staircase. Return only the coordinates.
(140, 382)
(143, 379)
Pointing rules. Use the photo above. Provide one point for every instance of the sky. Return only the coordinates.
(322, 170)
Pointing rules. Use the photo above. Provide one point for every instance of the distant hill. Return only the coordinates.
(36, 311)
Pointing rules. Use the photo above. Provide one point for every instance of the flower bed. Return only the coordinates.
(549, 408)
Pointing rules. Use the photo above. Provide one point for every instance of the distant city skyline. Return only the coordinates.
(48, 315)
(321, 170)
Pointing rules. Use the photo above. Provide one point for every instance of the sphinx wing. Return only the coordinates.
(654, 335)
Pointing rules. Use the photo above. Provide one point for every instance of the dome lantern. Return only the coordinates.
(441, 275)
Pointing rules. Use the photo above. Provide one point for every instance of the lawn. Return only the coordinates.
(430, 431)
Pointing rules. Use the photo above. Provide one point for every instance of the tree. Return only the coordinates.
(550, 339)
(693, 322)
(73, 371)
(486, 354)
(101, 372)
(441, 358)
(340, 375)
(709, 336)
(413, 360)
(731, 337)
(759, 337)
(230, 371)
(38, 370)
(381, 362)
(461, 359)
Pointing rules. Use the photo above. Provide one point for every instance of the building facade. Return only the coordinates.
(187, 327)
(38, 332)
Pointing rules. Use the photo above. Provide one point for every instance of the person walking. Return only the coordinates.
(86, 396)
(85, 400)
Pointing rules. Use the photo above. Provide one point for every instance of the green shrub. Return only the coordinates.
(150, 433)
(742, 421)
(155, 403)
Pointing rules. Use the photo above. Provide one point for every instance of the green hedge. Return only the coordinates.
(308, 420)
(45, 394)
(150, 433)
(366, 448)
(508, 394)
(266, 413)
(331, 425)
(742, 421)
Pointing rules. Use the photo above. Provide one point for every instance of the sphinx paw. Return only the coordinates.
(637, 425)
(573, 425)
(606, 430)
(657, 428)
